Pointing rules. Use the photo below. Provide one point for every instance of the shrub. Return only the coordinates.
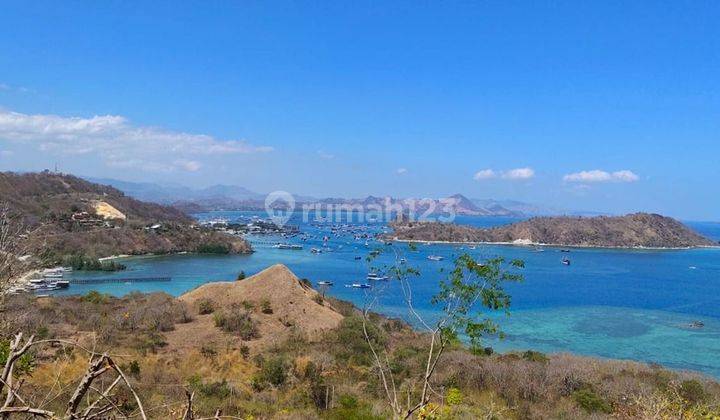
(238, 322)
(244, 351)
(83, 263)
(218, 389)
(23, 366)
(318, 299)
(351, 409)
(265, 307)
(206, 306)
(133, 369)
(96, 297)
(241, 276)
(591, 402)
(274, 371)
(534, 356)
(306, 283)
(352, 346)
(693, 391)
(208, 351)
(454, 396)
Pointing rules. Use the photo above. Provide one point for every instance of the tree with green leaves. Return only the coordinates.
(469, 294)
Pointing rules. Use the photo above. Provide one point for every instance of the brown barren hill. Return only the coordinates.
(278, 304)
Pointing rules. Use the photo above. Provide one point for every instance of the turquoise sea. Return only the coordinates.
(625, 304)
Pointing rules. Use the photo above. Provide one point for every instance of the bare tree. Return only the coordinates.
(470, 288)
(85, 403)
(11, 247)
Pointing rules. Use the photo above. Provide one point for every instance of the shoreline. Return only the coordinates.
(522, 243)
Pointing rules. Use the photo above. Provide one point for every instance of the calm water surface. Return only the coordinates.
(611, 303)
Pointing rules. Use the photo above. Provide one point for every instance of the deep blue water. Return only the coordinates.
(630, 304)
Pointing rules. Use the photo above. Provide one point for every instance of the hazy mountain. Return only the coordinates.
(231, 197)
(169, 193)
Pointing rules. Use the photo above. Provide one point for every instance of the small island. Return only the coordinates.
(638, 230)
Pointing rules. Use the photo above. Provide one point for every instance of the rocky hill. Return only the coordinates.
(275, 301)
(630, 231)
(66, 215)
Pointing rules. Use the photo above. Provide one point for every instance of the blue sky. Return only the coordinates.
(607, 105)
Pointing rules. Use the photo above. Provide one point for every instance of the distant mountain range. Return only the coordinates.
(230, 197)
(168, 194)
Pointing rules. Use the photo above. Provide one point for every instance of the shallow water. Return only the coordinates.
(628, 304)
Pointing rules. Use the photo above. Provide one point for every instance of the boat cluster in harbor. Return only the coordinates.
(45, 280)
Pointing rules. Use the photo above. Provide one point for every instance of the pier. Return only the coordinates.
(119, 280)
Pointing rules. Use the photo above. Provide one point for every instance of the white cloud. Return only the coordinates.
(9, 88)
(325, 155)
(597, 175)
(519, 174)
(188, 165)
(116, 142)
(625, 176)
(401, 171)
(484, 174)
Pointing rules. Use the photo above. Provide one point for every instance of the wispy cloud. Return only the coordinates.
(4, 87)
(597, 175)
(484, 174)
(519, 174)
(324, 155)
(401, 171)
(117, 142)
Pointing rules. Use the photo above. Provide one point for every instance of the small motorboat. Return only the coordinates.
(358, 286)
(697, 324)
(288, 246)
(377, 277)
(565, 261)
(564, 250)
(358, 257)
(316, 250)
(435, 258)
(325, 283)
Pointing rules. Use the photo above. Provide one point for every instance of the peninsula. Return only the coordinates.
(638, 230)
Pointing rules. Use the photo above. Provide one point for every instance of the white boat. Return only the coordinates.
(377, 277)
(435, 258)
(358, 286)
(325, 283)
(288, 246)
(316, 250)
